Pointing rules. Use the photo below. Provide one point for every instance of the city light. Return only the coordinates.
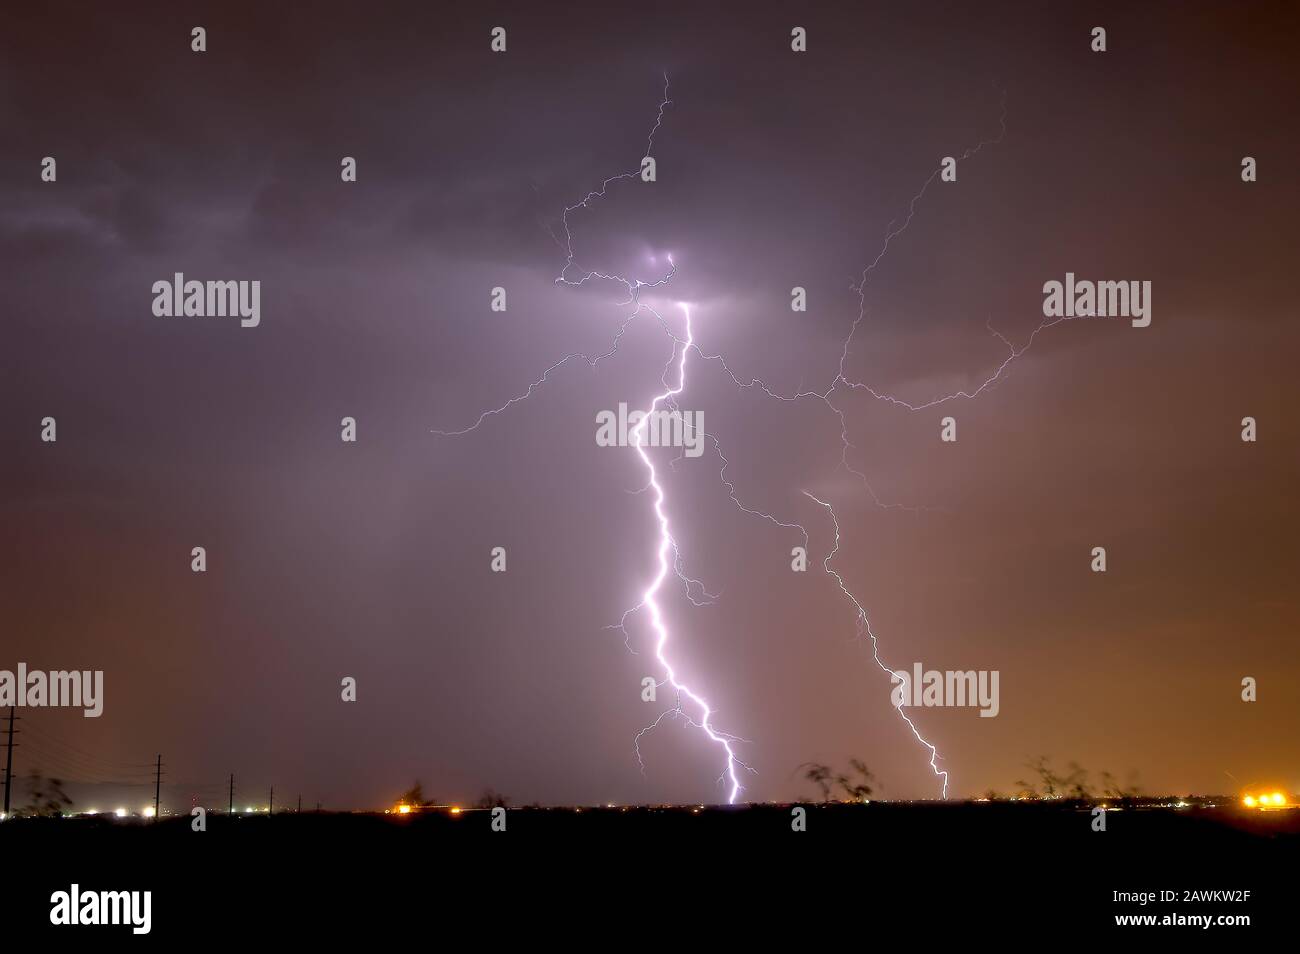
(148, 812)
(403, 809)
(1266, 800)
(120, 813)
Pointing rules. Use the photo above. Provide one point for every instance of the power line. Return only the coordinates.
(43, 735)
(38, 758)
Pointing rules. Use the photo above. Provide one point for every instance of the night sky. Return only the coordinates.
(774, 169)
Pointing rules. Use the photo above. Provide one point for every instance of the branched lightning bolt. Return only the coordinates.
(649, 599)
(649, 602)
(864, 626)
(841, 379)
(573, 275)
(633, 285)
(567, 245)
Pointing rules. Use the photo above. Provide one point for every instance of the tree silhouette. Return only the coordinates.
(1124, 794)
(415, 796)
(858, 791)
(47, 796)
(1047, 777)
(820, 775)
(491, 799)
(1074, 785)
(856, 785)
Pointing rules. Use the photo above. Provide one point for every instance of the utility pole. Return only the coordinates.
(9, 760)
(299, 804)
(231, 810)
(271, 808)
(157, 787)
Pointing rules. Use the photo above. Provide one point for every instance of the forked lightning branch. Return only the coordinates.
(660, 422)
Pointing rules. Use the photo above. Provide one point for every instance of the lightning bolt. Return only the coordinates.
(864, 625)
(649, 599)
(632, 285)
(841, 380)
(573, 275)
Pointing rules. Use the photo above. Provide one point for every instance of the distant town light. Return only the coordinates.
(403, 809)
(1266, 800)
(455, 810)
(148, 812)
(120, 813)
